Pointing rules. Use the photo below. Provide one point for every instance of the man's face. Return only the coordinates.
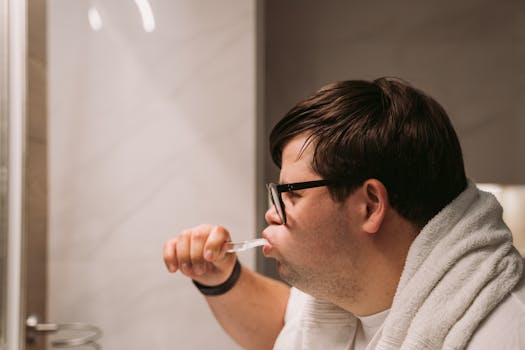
(318, 250)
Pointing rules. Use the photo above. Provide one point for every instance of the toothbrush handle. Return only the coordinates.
(244, 245)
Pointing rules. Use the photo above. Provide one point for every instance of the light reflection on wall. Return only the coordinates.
(148, 21)
(145, 11)
(95, 21)
(512, 199)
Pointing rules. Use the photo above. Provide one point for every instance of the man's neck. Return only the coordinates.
(385, 259)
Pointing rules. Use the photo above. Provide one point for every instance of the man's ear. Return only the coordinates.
(376, 199)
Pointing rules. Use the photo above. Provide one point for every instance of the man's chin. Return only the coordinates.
(286, 274)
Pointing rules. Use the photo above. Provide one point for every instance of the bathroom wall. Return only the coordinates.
(149, 133)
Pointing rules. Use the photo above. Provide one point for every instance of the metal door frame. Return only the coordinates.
(13, 48)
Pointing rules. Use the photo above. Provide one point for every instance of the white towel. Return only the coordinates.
(461, 265)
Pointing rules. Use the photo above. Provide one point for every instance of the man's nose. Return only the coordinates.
(271, 216)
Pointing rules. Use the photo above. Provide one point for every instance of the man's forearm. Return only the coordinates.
(252, 312)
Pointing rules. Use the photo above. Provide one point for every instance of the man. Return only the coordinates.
(385, 242)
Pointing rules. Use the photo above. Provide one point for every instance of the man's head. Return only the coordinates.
(384, 130)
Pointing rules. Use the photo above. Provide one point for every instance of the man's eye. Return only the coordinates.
(293, 194)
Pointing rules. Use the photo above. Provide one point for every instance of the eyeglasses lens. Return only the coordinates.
(276, 201)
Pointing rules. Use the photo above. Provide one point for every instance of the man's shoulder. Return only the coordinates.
(504, 327)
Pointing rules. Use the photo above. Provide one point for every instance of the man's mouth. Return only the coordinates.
(267, 248)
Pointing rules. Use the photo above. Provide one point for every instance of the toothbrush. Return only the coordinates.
(244, 245)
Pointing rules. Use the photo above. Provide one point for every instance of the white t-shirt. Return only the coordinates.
(367, 330)
(503, 329)
(338, 331)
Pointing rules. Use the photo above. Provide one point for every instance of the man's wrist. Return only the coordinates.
(223, 287)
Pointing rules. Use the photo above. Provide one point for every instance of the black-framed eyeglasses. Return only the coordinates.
(275, 190)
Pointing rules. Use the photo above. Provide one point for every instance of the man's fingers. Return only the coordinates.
(183, 252)
(169, 254)
(198, 239)
(200, 253)
(213, 249)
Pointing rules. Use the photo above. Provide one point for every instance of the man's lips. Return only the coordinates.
(267, 248)
(265, 236)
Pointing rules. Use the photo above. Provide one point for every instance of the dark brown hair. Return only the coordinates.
(386, 130)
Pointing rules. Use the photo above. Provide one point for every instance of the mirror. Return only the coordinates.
(152, 107)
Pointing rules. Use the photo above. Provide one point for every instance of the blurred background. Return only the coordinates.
(126, 121)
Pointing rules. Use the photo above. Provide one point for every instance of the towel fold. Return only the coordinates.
(461, 265)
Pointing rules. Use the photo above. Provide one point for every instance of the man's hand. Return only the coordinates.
(200, 254)
(252, 312)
